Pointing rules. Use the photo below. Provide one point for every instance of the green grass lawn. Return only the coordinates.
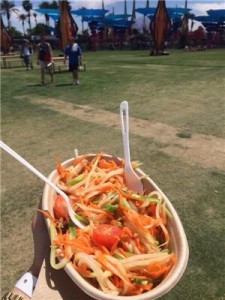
(184, 90)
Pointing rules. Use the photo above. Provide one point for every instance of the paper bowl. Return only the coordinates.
(178, 244)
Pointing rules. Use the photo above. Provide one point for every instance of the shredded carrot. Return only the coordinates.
(115, 267)
(135, 258)
(161, 268)
(79, 159)
(83, 270)
(62, 172)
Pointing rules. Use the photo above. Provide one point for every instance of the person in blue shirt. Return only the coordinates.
(73, 52)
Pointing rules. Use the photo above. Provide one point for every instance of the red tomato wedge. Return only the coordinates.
(105, 235)
(60, 208)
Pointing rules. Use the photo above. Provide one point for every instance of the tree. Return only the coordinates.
(8, 7)
(46, 4)
(27, 7)
(14, 32)
(54, 4)
(35, 17)
(40, 29)
(22, 18)
(47, 19)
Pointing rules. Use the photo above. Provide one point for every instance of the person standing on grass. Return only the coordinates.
(44, 59)
(26, 52)
(73, 51)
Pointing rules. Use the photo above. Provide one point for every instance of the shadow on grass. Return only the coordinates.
(63, 84)
(34, 84)
(48, 85)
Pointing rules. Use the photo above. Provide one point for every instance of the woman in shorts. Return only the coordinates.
(44, 57)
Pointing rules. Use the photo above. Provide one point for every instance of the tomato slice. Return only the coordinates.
(105, 235)
(60, 208)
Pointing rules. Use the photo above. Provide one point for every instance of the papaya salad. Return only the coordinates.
(124, 247)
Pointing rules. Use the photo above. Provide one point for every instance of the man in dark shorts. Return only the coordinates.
(73, 51)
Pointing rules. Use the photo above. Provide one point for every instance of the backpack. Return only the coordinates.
(44, 52)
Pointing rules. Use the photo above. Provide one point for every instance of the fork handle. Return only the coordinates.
(124, 116)
(45, 179)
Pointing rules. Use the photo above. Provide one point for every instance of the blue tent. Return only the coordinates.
(216, 12)
(98, 17)
(55, 17)
(47, 11)
(119, 23)
(206, 19)
(212, 17)
(214, 20)
(101, 22)
(84, 12)
(92, 18)
(146, 11)
(51, 12)
(117, 17)
(172, 11)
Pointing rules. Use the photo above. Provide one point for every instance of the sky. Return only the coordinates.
(199, 7)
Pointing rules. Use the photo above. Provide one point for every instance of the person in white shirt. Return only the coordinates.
(26, 54)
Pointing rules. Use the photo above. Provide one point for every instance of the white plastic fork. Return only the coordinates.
(46, 180)
(133, 181)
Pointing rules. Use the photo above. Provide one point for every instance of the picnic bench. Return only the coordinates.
(10, 61)
(58, 65)
(7, 61)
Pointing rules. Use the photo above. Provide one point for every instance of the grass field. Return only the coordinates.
(185, 91)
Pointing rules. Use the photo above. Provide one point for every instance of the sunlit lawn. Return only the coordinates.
(184, 90)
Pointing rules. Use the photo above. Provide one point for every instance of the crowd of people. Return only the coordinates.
(72, 55)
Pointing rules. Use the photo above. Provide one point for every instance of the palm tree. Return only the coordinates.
(46, 4)
(22, 18)
(27, 7)
(29, 22)
(54, 4)
(8, 7)
(47, 19)
(35, 17)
